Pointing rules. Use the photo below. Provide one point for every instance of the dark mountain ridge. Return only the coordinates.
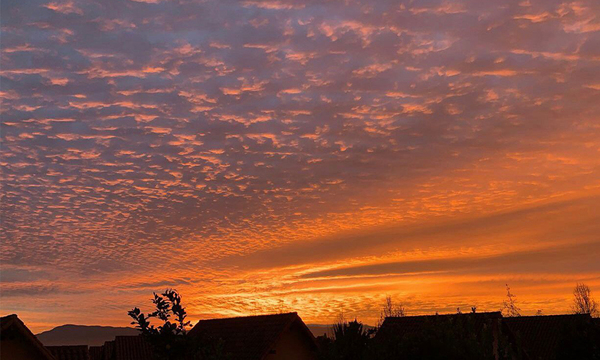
(96, 335)
(83, 334)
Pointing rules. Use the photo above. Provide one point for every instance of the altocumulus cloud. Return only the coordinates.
(191, 134)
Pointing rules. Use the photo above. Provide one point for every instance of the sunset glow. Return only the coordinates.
(295, 155)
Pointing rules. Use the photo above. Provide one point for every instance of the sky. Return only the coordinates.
(288, 155)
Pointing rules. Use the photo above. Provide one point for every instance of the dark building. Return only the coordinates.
(551, 336)
(404, 325)
(264, 337)
(70, 352)
(18, 343)
(469, 335)
(122, 348)
(523, 337)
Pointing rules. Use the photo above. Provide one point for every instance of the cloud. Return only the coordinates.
(240, 137)
(579, 258)
(551, 224)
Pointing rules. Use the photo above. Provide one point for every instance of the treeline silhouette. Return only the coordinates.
(447, 337)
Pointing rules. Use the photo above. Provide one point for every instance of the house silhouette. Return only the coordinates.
(17, 342)
(263, 337)
(541, 337)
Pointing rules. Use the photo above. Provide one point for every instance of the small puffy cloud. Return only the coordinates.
(221, 131)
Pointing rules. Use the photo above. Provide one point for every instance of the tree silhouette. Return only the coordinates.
(510, 306)
(390, 309)
(167, 304)
(170, 340)
(583, 303)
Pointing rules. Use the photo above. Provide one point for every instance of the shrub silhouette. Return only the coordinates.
(350, 342)
(171, 340)
(510, 304)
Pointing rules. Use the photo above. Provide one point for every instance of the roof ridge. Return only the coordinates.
(544, 315)
(451, 314)
(251, 316)
(9, 316)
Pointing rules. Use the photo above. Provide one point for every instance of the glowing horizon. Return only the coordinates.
(297, 155)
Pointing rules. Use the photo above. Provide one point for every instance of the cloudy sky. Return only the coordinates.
(313, 156)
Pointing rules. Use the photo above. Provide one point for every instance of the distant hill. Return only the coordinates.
(97, 335)
(83, 335)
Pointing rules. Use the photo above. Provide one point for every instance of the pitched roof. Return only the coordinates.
(399, 326)
(108, 350)
(70, 352)
(123, 348)
(96, 352)
(11, 325)
(132, 348)
(540, 336)
(250, 337)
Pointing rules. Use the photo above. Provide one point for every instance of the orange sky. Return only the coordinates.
(295, 155)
